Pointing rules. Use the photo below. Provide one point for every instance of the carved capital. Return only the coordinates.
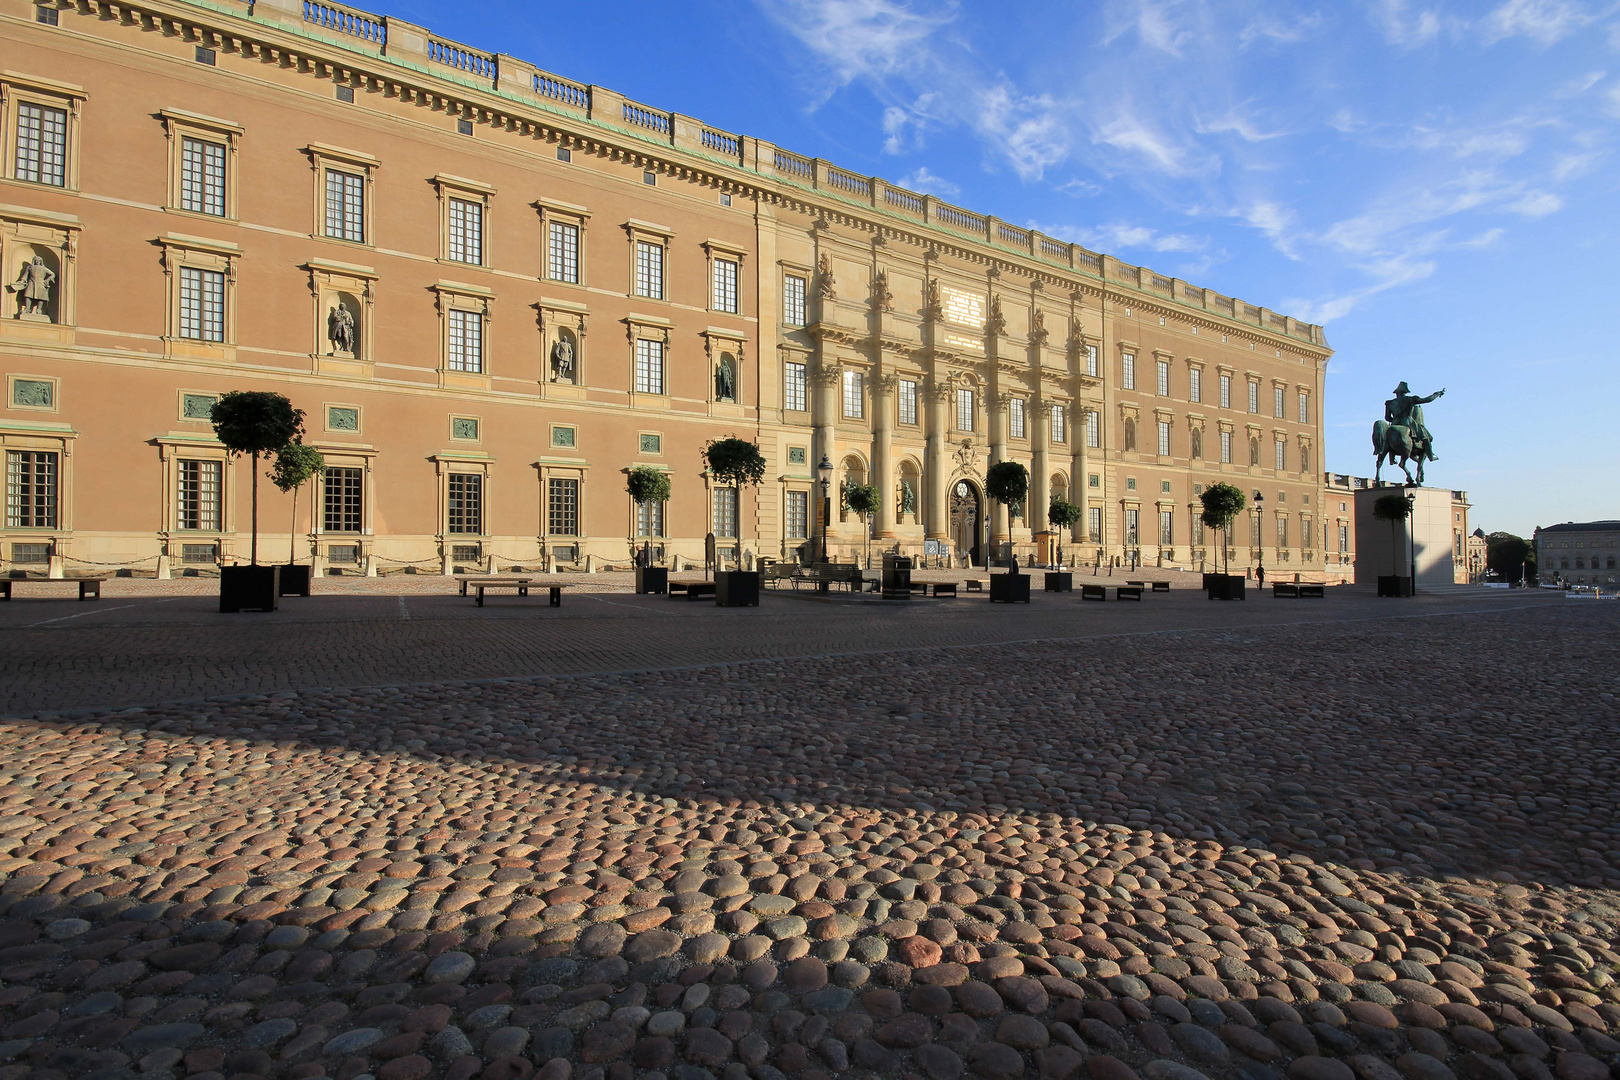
(827, 374)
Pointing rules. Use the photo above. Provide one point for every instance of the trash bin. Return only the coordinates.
(896, 577)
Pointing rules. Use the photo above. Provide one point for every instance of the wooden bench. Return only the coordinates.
(944, 588)
(1161, 586)
(521, 587)
(492, 579)
(1285, 590)
(1313, 592)
(691, 590)
(89, 587)
(1094, 592)
(975, 585)
(1128, 592)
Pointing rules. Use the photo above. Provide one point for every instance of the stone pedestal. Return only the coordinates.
(1425, 538)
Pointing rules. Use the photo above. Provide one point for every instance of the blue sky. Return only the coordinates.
(1434, 181)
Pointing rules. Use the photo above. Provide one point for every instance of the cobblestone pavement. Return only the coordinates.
(1245, 849)
(165, 640)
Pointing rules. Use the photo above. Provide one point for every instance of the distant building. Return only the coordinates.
(1476, 555)
(1339, 525)
(1579, 553)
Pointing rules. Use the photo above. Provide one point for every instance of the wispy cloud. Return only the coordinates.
(1122, 236)
(926, 182)
(855, 39)
(1542, 21)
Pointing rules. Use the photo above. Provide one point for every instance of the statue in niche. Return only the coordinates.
(908, 498)
(725, 379)
(340, 329)
(998, 321)
(1037, 327)
(562, 360)
(825, 281)
(882, 298)
(33, 286)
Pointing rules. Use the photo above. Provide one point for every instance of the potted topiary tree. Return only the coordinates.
(1222, 503)
(648, 485)
(865, 500)
(1007, 482)
(255, 423)
(295, 466)
(1394, 508)
(1061, 515)
(735, 462)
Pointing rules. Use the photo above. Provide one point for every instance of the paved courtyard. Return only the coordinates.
(384, 833)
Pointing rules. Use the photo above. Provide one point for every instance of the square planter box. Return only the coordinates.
(294, 579)
(1226, 587)
(1009, 588)
(736, 588)
(1059, 581)
(1391, 585)
(652, 579)
(249, 588)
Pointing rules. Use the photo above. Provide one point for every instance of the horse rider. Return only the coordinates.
(1405, 409)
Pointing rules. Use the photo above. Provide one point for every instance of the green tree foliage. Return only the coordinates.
(647, 485)
(256, 423)
(1221, 504)
(1062, 515)
(865, 500)
(1507, 555)
(1392, 508)
(1007, 482)
(295, 466)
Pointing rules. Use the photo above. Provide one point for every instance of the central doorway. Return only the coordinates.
(967, 519)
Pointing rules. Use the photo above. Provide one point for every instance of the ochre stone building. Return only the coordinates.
(1579, 553)
(494, 290)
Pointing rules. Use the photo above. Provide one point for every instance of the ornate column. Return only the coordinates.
(1000, 514)
(1082, 473)
(826, 378)
(882, 454)
(1040, 481)
(936, 467)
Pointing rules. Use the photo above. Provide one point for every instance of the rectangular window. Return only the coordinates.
(793, 387)
(1091, 361)
(793, 300)
(1132, 519)
(1277, 402)
(1344, 539)
(562, 255)
(42, 144)
(562, 507)
(1167, 528)
(1094, 524)
(1254, 397)
(1226, 391)
(466, 232)
(1060, 428)
(1015, 418)
(202, 177)
(798, 514)
(345, 206)
(725, 286)
(31, 489)
(1164, 378)
(1128, 374)
(1093, 430)
(344, 500)
(964, 410)
(649, 366)
(466, 346)
(1226, 448)
(198, 504)
(47, 16)
(854, 395)
(725, 511)
(649, 270)
(465, 503)
(1304, 407)
(1282, 531)
(650, 518)
(1195, 384)
(1164, 438)
(202, 304)
(1282, 455)
(908, 401)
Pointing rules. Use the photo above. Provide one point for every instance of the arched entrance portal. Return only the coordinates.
(967, 522)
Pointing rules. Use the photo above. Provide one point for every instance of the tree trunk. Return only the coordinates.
(254, 548)
(292, 530)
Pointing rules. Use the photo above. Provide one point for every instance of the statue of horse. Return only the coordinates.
(1394, 442)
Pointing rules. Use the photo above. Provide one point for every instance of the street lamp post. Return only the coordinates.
(1411, 541)
(1260, 539)
(825, 472)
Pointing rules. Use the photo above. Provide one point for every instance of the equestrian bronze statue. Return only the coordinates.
(1401, 435)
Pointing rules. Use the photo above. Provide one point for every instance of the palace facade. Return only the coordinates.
(494, 291)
